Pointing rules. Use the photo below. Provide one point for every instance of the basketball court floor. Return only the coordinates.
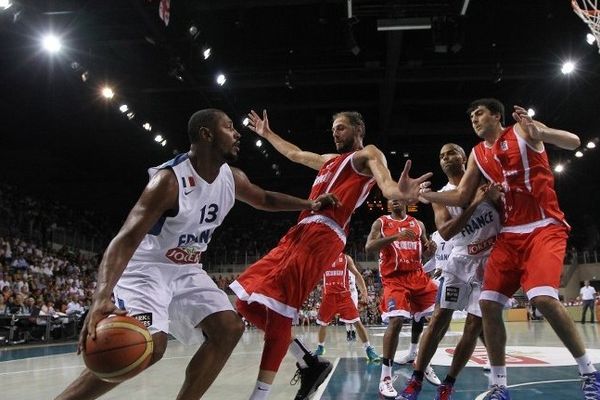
(539, 368)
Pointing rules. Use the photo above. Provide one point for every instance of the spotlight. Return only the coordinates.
(531, 112)
(193, 31)
(591, 145)
(130, 115)
(590, 38)
(259, 143)
(406, 154)
(568, 67)
(163, 143)
(147, 126)
(221, 79)
(123, 108)
(559, 168)
(75, 66)
(158, 138)
(206, 52)
(107, 93)
(51, 43)
(85, 76)
(578, 154)
(246, 121)
(5, 4)
(393, 152)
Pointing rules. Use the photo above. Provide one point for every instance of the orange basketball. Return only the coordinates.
(122, 349)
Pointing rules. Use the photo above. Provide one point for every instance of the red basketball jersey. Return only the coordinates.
(526, 177)
(403, 254)
(335, 277)
(339, 177)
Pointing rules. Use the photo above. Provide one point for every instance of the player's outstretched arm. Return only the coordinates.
(536, 132)
(406, 188)
(266, 200)
(261, 127)
(159, 196)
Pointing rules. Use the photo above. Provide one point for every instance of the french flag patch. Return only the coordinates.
(188, 181)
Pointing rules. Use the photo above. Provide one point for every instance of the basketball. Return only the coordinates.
(122, 349)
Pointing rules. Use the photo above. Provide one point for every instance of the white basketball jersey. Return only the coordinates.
(352, 282)
(181, 238)
(454, 211)
(479, 233)
(442, 251)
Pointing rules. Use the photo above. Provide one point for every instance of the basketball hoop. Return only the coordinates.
(588, 11)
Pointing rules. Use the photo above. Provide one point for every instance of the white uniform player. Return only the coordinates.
(352, 288)
(170, 255)
(462, 276)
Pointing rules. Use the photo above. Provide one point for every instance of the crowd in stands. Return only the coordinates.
(44, 282)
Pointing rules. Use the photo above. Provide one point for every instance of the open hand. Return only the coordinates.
(259, 125)
(527, 124)
(412, 187)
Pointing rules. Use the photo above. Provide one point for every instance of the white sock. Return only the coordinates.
(298, 350)
(585, 364)
(498, 375)
(322, 344)
(413, 348)
(386, 371)
(349, 327)
(261, 391)
(366, 345)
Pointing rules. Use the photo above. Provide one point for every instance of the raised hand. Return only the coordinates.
(99, 310)
(410, 188)
(527, 124)
(259, 125)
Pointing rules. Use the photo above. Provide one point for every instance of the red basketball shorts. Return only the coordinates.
(337, 303)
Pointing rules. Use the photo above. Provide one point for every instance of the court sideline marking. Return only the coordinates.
(321, 390)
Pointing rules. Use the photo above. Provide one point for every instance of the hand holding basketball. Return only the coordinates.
(100, 309)
(121, 348)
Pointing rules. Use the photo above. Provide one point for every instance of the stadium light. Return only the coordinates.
(246, 121)
(206, 52)
(590, 39)
(568, 67)
(51, 43)
(107, 93)
(591, 145)
(531, 112)
(221, 79)
(559, 168)
(5, 4)
(259, 143)
(147, 126)
(123, 108)
(158, 138)
(578, 154)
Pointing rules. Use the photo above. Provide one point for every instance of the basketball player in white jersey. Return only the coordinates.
(153, 265)
(350, 331)
(472, 232)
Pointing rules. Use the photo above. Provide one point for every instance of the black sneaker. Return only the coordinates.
(353, 336)
(311, 377)
(348, 336)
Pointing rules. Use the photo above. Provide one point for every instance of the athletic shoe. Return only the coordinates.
(372, 356)
(487, 367)
(353, 335)
(431, 376)
(386, 389)
(444, 392)
(320, 350)
(497, 392)
(411, 391)
(349, 336)
(311, 377)
(408, 358)
(590, 386)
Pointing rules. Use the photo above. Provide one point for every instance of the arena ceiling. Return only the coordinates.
(302, 60)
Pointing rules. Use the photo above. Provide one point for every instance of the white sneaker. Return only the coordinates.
(386, 389)
(431, 376)
(486, 366)
(408, 358)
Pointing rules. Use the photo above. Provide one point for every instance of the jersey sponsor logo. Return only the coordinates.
(334, 273)
(518, 356)
(391, 305)
(477, 223)
(451, 294)
(184, 255)
(145, 318)
(187, 238)
(322, 178)
(476, 248)
(406, 245)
